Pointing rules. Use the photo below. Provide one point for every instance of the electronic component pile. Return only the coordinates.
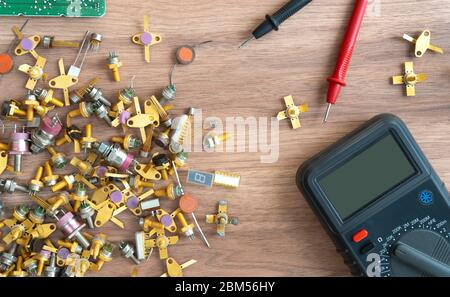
(128, 174)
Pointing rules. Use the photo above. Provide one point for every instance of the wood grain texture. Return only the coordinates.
(278, 235)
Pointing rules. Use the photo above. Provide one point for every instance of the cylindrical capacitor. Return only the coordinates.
(19, 146)
(71, 228)
(45, 135)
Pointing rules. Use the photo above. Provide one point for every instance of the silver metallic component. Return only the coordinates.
(150, 204)
(101, 111)
(52, 270)
(128, 252)
(87, 213)
(94, 43)
(114, 155)
(9, 185)
(2, 210)
(168, 95)
(140, 245)
(7, 258)
(95, 94)
(113, 58)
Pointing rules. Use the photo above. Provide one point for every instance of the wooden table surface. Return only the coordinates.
(277, 235)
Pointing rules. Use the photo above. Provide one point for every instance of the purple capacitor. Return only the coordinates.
(63, 253)
(116, 196)
(132, 202)
(166, 220)
(68, 224)
(27, 44)
(126, 163)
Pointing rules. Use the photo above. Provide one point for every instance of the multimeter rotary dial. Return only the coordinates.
(424, 251)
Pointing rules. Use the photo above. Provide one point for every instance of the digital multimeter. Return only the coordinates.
(382, 203)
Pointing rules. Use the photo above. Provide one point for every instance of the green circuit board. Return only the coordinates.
(53, 8)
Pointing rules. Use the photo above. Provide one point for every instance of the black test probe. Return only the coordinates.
(273, 22)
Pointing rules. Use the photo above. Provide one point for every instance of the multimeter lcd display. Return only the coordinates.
(367, 176)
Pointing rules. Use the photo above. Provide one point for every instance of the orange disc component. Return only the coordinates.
(185, 55)
(188, 204)
(6, 63)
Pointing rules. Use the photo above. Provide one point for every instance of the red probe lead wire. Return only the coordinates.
(337, 80)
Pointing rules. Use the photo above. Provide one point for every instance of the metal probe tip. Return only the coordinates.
(247, 41)
(327, 113)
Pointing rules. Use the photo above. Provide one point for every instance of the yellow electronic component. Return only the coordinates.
(168, 219)
(49, 179)
(35, 185)
(104, 213)
(227, 179)
(423, 44)
(63, 82)
(35, 73)
(147, 171)
(292, 112)
(58, 201)
(26, 44)
(85, 168)
(88, 140)
(114, 64)
(171, 192)
(410, 79)
(174, 269)
(161, 242)
(129, 142)
(221, 219)
(146, 39)
(57, 160)
(19, 272)
(66, 182)
(46, 97)
(3, 161)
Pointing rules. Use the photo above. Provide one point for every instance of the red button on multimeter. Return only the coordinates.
(360, 235)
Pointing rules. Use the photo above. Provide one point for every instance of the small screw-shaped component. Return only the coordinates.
(35, 185)
(19, 272)
(78, 196)
(2, 212)
(7, 258)
(162, 139)
(49, 179)
(37, 215)
(46, 97)
(31, 103)
(130, 142)
(57, 201)
(181, 131)
(114, 64)
(42, 257)
(95, 95)
(162, 163)
(78, 94)
(86, 212)
(87, 141)
(212, 140)
(18, 146)
(30, 265)
(20, 212)
(102, 112)
(58, 160)
(149, 223)
(51, 270)
(105, 255)
(171, 192)
(73, 247)
(66, 182)
(71, 228)
(10, 186)
(127, 250)
(51, 42)
(85, 109)
(147, 145)
(126, 95)
(11, 109)
(186, 229)
(166, 121)
(168, 95)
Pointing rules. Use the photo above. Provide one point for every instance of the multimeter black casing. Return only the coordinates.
(391, 217)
